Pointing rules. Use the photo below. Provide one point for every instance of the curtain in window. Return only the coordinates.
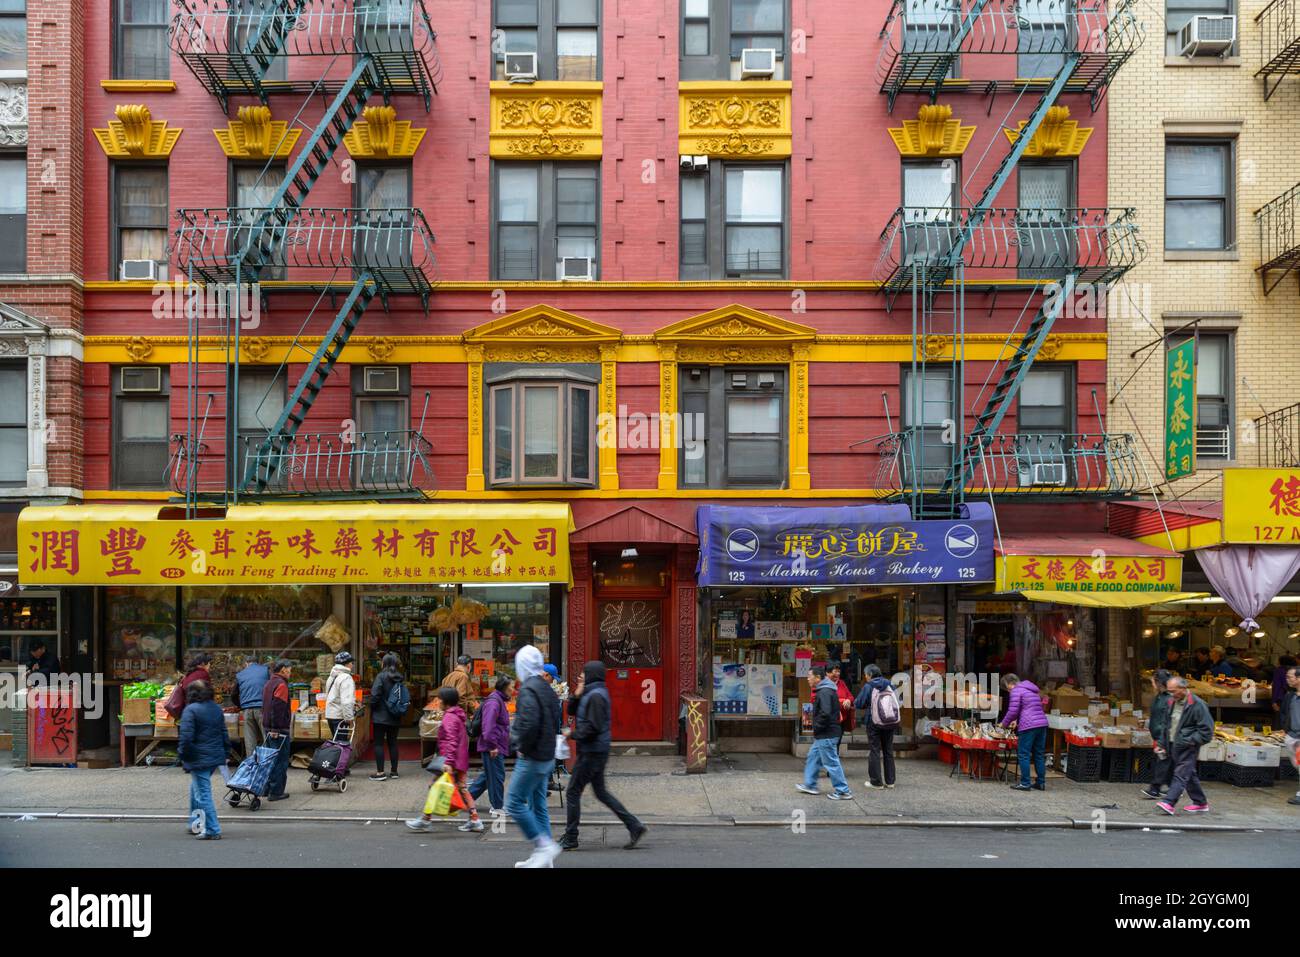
(13, 424)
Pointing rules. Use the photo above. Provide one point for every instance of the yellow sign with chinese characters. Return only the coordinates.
(1261, 506)
(364, 544)
(1096, 575)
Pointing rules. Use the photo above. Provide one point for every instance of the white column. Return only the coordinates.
(38, 476)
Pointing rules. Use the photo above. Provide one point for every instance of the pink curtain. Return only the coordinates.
(1248, 577)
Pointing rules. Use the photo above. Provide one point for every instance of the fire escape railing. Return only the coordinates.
(1279, 35)
(1279, 238)
(1277, 438)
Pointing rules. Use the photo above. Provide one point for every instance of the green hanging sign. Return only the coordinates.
(1180, 410)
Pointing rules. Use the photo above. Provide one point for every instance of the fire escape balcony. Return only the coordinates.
(925, 41)
(1097, 245)
(395, 246)
(1279, 239)
(389, 464)
(1278, 438)
(917, 461)
(246, 47)
(1279, 33)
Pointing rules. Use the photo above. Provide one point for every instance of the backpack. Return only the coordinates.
(476, 724)
(884, 708)
(398, 701)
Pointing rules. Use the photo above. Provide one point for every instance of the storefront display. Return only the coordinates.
(396, 619)
(140, 625)
(24, 618)
(517, 615)
(1050, 645)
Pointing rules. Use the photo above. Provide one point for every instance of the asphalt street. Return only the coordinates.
(131, 844)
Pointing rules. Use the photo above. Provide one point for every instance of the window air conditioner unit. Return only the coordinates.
(383, 379)
(694, 164)
(139, 269)
(521, 66)
(757, 61)
(577, 268)
(1208, 36)
(141, 378)
(1042, 473)
(701, 164)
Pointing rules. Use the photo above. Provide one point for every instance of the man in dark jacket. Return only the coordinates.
(1158, 724)
(42, 661)
(532, 735)
(592, 736)
(824, 752)
(276, 719)
(250, 682)
(202, 746)
(1190, 727)
(880, 738)
(1291, 722)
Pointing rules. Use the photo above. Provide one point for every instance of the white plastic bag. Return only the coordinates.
(562, 752)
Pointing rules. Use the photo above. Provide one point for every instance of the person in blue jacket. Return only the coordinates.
(203, 748)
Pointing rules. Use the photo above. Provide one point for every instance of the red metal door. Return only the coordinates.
(634, 695)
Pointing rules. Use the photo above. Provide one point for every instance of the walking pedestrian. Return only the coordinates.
(824, 752)
(196, 669)
(202, 747)
(884, 716)
(276, 717)
(1190, 728)
(453, 746)
(1291, 722)
(493, 717)
(249, 682)
(1025, 714)
(382, 704)
(533, 734)
(340, 692)
(1158, 724)
(592, 734)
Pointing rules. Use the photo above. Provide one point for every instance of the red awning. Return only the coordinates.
(670, 523)
(1079, 544)
(1140, 519)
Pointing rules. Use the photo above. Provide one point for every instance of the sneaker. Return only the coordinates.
(393, 774)
(1151, 794)
(420, 824)
(568, 843)
(841, 795)
(543, 856)
(381, 776)
(1021, 787)
(473, 827)
(209, 837)
(889, 787)
(635, 838)
(1295, 800)
(806, 789)
(1166, 807)
(873, 787)
(1196, 808)
(1039, 786)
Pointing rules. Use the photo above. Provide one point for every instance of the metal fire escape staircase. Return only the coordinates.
(231, 45)
(927, 251)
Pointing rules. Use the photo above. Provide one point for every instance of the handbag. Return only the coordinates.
(436, 764)
(175, 702)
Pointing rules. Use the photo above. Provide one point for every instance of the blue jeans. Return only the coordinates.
(491, 779)
(825, 754)
(526, 799)
(280, 770)
(203, 812)
(1032, 745)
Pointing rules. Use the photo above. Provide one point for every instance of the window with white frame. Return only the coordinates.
(1214, 405)
(542, 427)
(13, 423)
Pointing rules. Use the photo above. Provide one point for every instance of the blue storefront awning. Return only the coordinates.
(850, 545)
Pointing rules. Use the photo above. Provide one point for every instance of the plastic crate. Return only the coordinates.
(1211, 770)
(1240, 777)
(1117, 765)
(1083, 764)
(1286, 771)
(1144, 766)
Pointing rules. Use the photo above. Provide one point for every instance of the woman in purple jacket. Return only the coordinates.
(1025, 714)
(493, 744)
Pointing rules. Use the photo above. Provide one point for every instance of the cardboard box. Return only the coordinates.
(1129, 721)
(232, 724)
(6, 742)
(1068, 700)
(1066, 722)
(166, 731)
(1116, 738)
(137, 711)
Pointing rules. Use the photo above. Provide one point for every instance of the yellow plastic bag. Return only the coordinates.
(439, 799)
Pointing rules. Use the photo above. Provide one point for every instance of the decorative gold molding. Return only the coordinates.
(606, 451)
(136, 135)
(933, 133)
(1057, 135)
(735, 327)
(667, 416)
(800, 474)
(379, 134)
(1051, 348)
(380, 348)
(139, 349)
(255, 348)
(545, 120)
(543, 333)
(475, 480)
(936, 347)
(735, 119)
(138, 86)
(254, 135)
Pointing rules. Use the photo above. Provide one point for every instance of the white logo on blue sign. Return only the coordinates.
(742, 545)
(962, 541)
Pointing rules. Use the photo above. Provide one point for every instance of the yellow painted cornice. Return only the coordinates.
(381, 135)
(545, 120)
(1057, 135)
(736, 325)
(254, 135)
(735, 119)
(138, 86)
(542, 323)
(933, 133)
(737, 285)
(135, 134)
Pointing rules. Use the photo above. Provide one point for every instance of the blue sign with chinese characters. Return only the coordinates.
(854, 545)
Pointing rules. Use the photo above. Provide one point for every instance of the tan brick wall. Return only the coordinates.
(1144, 96)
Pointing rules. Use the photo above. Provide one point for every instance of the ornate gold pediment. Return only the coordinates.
(254, 135)
(546, 120)
(135, 134)
(1057, 135)
(542, 334)
(933, 133)
(735, 119)
(735, 333)
(379, 134)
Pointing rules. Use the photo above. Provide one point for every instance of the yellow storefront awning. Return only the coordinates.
(332, 543)
(1108, 600)
(1089, 570)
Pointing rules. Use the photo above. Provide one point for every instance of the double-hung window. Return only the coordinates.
(929, 411)
(565, 35)
(13, 423)
(254, 189)
(251, 21)
(542, 427)
(1214, 404)
(261, 396)
(546, 221)
(382, 445)
(929, 27)
(384, 26)
(384, 226)
(715, 34)
(733, 222)
(141, 420)
(733, 427)
(1043, 211)
(13, 212)
(140, 215)
(1199, 195)
(1046, 31)
(140, 39)
(929, 209)
(1045, 417)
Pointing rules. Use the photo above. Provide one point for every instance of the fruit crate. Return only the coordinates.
(1117, 765)
(1212, 770)
(1144, 766)
(1286, 771)
(1241, 777)
(1083, 764)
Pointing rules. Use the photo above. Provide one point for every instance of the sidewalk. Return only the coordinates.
(738, 790)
